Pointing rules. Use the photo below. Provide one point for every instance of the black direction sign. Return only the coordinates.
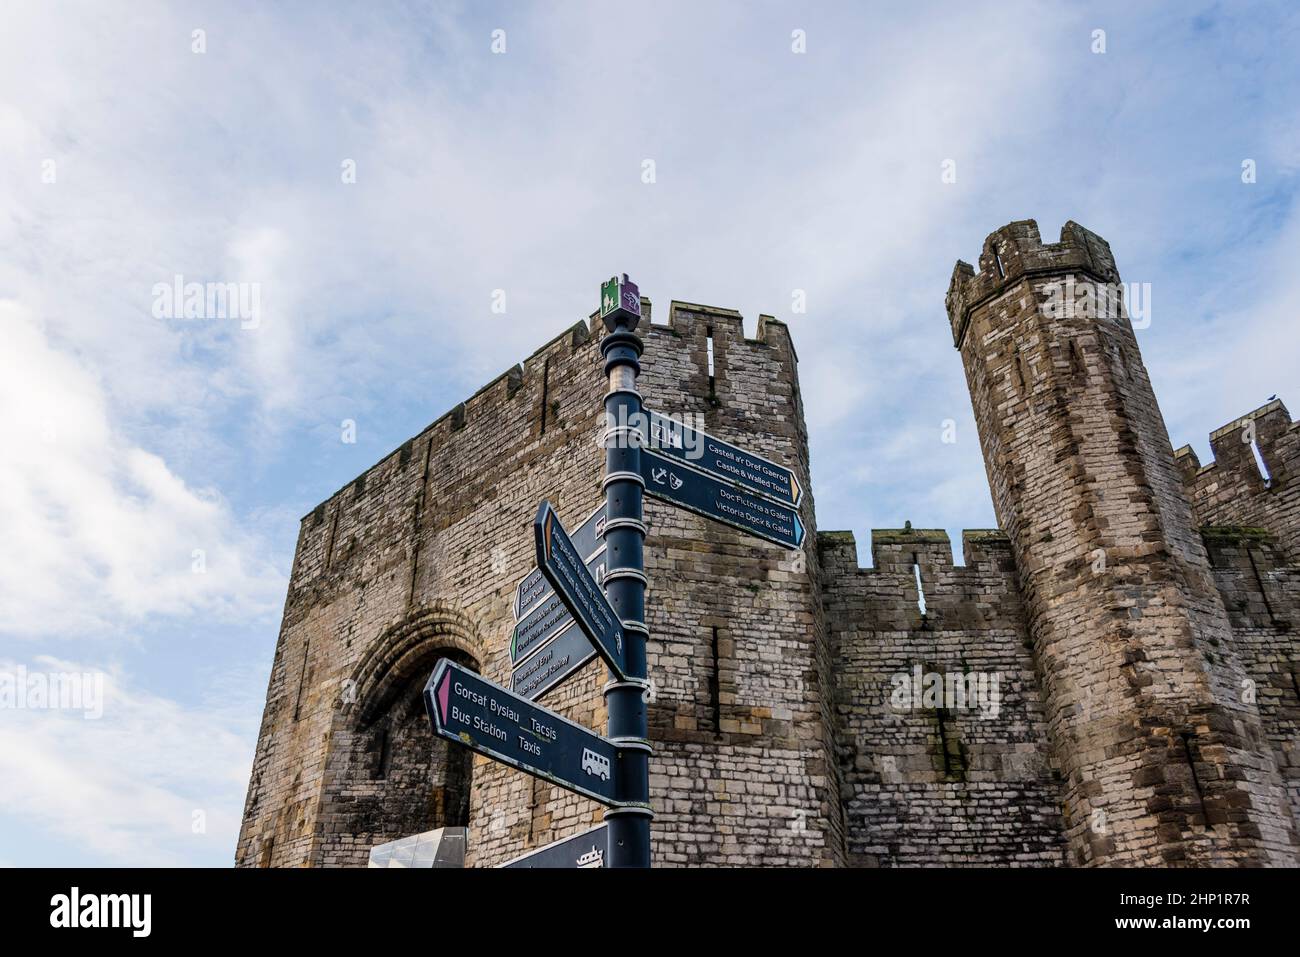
(555, 662)
(722, 501)
(584, 850)
(564, 569)
(726, 462)
(588, 542)
(542, 625)
(487, 718)
(547, 617)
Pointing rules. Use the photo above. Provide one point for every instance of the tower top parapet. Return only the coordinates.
(1016, 252)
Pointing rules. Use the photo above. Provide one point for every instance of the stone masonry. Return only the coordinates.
(1110, 679)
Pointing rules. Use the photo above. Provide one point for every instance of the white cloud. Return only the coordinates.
(99, 532)
(124, 788)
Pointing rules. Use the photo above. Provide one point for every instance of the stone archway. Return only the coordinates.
(387, 776)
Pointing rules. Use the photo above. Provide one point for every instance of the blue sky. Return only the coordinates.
(132, 440)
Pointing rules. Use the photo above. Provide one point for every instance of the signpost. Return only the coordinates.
(620, 301)
(480, 714)
(720, 500)
(586, 540)
(584, 850)
(539, 662)
(625, 581)
(541, 626)
(564, 569)
(552, 664)
(727, 463)
(547, 617)
(587, 597)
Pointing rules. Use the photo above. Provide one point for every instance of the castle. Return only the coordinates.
(1110, 678)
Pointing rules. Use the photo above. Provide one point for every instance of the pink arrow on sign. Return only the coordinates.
(443, 690)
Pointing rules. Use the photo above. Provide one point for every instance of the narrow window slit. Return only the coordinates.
(940, 715)
(1018, 370)
(709, 348)
(329, 539)
(302, 680)
(385, 753)
(1076, 358)
(1196, 781)
(954, 759)
(546, 386)
(920, 585)
(1261, 464)
(715, 684)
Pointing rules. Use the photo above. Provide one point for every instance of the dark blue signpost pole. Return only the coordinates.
(625, 581)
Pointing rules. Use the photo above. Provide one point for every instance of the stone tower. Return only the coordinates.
(1161, 750)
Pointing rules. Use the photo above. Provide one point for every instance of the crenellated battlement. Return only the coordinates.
(685, 320)
(688, 319)
(895, 550)
(530, 414)
(1016, 252)
(936, 781)
(1232, 490)
(1273, 432)
(502, 388)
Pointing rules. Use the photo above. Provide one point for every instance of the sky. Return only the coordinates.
(383, 174)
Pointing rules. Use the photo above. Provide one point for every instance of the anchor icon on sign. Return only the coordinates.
(658, 475)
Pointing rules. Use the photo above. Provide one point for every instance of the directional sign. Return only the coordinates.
(725, 462)
(722, 501)
(487, 718)
(620, 297)
(547, 617)
(564, 569)
(587, 849)
(541, 626)
(588, 542)
(553, 663)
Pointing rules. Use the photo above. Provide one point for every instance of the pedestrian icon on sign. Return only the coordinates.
(620, 298)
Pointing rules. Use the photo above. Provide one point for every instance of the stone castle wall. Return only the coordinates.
(418, 559)
(1137, 611)
(946, 785)
(1251, 520)
(1232, 489)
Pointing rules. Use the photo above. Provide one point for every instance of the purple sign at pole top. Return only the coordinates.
(620, 299)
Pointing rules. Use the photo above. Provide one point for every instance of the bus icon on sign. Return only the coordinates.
(595, 765)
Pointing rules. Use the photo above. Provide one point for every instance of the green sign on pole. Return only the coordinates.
(620, 296)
